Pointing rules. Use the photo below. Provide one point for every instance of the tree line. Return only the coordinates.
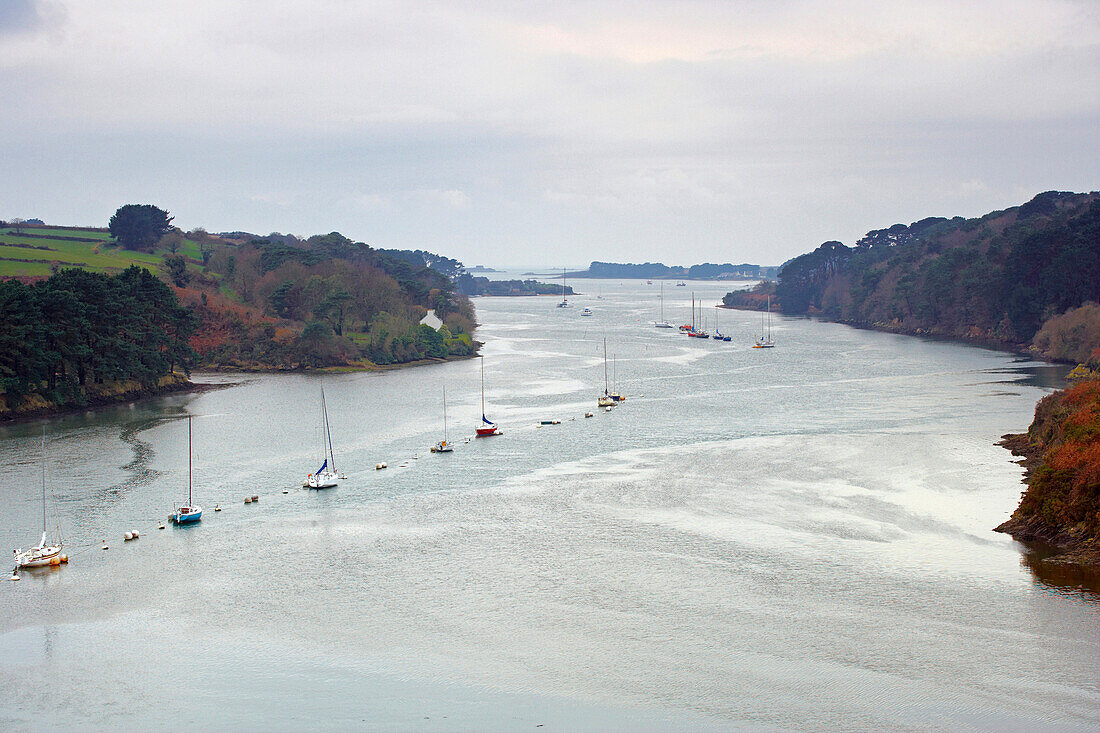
(1000, 276)
(77, 327)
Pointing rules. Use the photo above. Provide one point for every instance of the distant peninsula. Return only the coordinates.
(660, 271)
(469, 285)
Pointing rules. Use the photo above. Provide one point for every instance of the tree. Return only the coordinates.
(139, 226)
(18, 224)
(332, 309)
(177, 270)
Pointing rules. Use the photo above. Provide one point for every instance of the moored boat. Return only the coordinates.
(44, 553)
(487, 427)
(190, 512)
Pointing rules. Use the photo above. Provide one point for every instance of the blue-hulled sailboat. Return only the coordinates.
(189, 512)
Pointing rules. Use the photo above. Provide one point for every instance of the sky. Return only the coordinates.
(530, 133)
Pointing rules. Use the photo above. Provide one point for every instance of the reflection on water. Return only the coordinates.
(1074, 580)
(1024, 371)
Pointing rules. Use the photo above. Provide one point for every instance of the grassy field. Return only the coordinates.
(23, 256)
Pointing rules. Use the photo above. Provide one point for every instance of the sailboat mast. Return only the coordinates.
(444, 413)
(483, 388)
(605, 365)
(662, 301)
(328, 432)
(188, 460)
(43, 479)
(693, 311)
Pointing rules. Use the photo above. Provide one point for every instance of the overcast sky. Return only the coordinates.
(535, 133)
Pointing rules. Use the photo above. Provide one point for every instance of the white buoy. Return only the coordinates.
(607, 409)
(247, 500)
(128, 536)
(160, 526)
(588, 414)
(104, 544)
(217, 508)
(379, 466)
(14, 575)
(286, 491)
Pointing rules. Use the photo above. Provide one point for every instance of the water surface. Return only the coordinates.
(787, 539)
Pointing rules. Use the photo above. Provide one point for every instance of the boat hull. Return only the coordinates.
(322, 480)
(488, 432)
(188, 518)
(39, 557)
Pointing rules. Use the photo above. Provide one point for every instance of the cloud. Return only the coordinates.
(474, 121)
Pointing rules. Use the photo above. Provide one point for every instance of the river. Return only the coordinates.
(795, 538)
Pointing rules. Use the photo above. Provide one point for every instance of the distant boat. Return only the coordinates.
(564, 303)
(648, 282)
(189, 512)
(662, 323)
(444, 445)
(681, 284)
(326, 476)
(487, 426)
(551, 421)
(606, 400)
(42, 554)
(586, 312)
(765, 340)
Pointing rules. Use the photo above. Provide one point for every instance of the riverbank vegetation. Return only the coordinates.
(74, 337)
(1025, 277)
(1061, 451)
(84, 307)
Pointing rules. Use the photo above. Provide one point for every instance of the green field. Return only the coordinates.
(100, 256)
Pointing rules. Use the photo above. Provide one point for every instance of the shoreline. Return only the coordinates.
(180, 384)
(979, 341)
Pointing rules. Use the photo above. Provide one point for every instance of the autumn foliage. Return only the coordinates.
(1062, 502)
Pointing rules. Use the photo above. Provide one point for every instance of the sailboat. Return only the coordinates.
(188, 512)
(718, 335)
(765, 341)
(605, 400)
(326, 476)
(444, 446)
(564, 303)
(487, 426)
(42, 554)
(695, 331)
(662, 323)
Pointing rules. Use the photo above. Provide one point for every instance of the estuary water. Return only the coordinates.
(788, 539)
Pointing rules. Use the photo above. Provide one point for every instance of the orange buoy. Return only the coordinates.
(55, 561)
(64, 558)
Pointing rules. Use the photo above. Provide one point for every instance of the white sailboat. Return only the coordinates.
(444, 446)
(564, 303)
(42, 554)
(326, 476)
(189, 512)
(662, 323)
(765, 340)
